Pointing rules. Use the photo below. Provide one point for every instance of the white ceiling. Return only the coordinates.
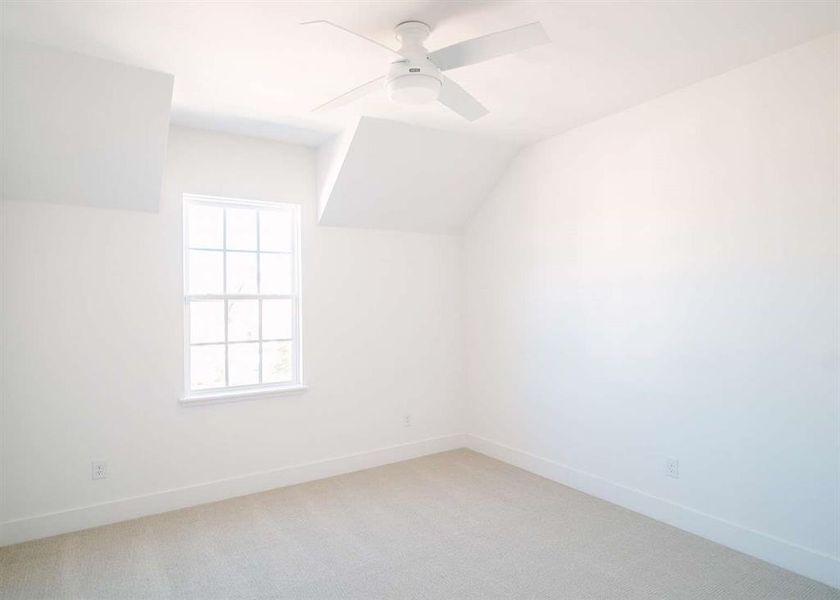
(250, 68)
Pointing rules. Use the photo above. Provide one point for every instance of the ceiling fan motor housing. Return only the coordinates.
(414, 80)
(416, 76)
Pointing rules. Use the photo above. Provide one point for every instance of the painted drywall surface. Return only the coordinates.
(92, 335)
(330, 158)
(81, 130)
(605, 56)
(663, 283)
(389, 175)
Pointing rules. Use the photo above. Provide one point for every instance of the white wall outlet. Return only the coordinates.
(98, 470)
(672, 468)
(407, 421)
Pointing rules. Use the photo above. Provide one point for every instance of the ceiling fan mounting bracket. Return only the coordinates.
(409, 32)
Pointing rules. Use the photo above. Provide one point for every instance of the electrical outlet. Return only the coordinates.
(98, 470)
(672, 468)
(407, 421)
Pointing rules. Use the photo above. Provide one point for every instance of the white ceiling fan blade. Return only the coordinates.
(459, 100)
(355, 93)
(489, 46)
(322, 22)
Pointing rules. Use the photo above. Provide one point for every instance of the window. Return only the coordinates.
(241, 298)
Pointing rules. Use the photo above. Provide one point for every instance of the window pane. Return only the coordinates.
(205, 229)
(276, 230)
(205, 272)
(241, 229)
(243, 364)
(277, 362)
(241, 272)
(275, 274)
(235, 249)
(207, 366)
(207, 321)
(277, 319)
(243, 320)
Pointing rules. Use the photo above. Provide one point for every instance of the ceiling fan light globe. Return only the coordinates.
(414, 89)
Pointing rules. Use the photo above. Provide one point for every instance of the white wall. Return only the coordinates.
(76, 129)
(663, 283)
(390, 175)
(92, 336)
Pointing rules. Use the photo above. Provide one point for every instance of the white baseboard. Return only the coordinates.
(810, 563)
(30, 528)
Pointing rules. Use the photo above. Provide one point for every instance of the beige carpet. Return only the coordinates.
(455, 525)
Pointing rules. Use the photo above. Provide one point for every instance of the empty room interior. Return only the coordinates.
(420, 300)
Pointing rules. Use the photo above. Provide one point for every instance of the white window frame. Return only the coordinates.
(242, 392)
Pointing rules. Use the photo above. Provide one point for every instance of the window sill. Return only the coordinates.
(238, 396)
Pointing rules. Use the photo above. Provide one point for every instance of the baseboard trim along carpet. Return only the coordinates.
(30, 528)
(804, 561)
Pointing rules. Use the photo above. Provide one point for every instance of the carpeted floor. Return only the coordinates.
(454, 525)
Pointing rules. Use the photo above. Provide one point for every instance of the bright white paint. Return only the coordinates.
(93, 341)
(663, 283)
(250, 68)
(79, 130)
(330, 159)
(122, 509)
(408, 178)
(793, 557)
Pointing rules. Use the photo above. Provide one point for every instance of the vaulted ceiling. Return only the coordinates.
(251, 68)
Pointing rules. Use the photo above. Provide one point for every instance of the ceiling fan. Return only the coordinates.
(417, 76)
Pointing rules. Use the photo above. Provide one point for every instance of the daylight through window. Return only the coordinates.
(242, 296)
